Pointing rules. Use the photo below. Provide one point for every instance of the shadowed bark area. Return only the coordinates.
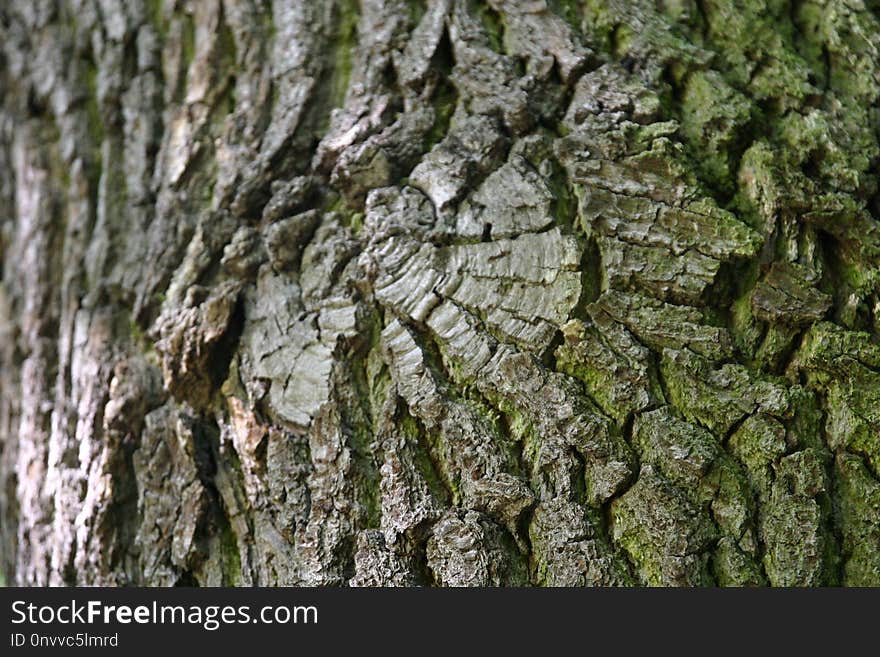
(441, 292)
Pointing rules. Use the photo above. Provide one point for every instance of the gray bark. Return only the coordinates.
(394, 292)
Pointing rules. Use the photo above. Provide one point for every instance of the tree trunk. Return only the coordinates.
(403, 292)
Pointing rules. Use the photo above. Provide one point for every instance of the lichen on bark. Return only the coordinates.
(457, 292)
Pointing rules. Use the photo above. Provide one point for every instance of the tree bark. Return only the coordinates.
(443, 292)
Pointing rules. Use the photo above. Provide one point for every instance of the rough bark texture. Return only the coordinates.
(403, 292)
